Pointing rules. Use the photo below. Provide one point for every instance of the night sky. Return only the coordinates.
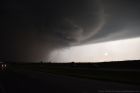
(32, 30)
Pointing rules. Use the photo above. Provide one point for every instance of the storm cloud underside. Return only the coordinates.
(31, 30)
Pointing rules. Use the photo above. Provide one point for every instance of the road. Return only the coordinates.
(35, 82)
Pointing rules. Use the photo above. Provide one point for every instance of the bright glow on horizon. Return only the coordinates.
(128, 49)
(106, 54)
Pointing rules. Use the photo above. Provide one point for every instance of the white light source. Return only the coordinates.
(106, 54)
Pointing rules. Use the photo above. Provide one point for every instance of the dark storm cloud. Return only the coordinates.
(30, 30)
(123, 21)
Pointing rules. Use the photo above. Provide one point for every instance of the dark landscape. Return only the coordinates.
(71, 77)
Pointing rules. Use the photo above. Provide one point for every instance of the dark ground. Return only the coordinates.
(37, 82)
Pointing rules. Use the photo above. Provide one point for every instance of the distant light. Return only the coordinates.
(106, 54)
